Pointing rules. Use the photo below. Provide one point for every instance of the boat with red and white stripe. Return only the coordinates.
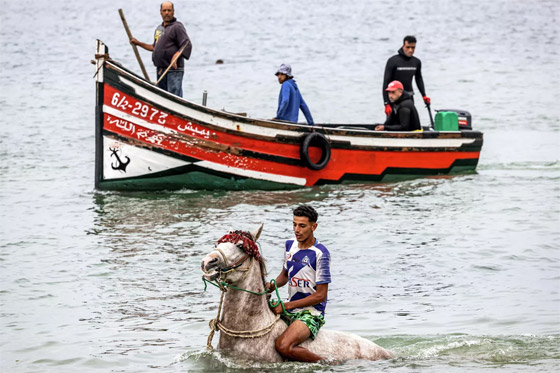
(149, 139)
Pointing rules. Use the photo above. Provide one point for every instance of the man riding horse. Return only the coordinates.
(250, 328)
(307, 270)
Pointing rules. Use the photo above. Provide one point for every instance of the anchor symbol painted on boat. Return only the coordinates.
(120, 164)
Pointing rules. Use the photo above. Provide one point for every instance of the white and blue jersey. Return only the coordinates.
(306, 269)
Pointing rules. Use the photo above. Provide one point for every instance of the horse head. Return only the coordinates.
(226, 261)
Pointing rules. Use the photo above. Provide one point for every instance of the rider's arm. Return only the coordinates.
(281, 280)
(319, 296)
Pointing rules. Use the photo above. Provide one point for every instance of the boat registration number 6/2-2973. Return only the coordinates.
(139, 109)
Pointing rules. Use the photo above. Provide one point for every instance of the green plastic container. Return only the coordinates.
(446, 121)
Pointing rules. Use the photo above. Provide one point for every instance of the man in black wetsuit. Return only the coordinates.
(404, 116)
(403, 67)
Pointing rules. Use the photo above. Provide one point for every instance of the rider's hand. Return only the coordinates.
(388, 109)
(277, 310)
(427, 100)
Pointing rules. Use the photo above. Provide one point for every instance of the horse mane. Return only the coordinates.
(262, 265)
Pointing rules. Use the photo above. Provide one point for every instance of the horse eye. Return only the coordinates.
(239, 246)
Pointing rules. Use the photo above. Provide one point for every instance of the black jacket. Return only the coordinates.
(167, 41)
(403, 68)
(404, 116)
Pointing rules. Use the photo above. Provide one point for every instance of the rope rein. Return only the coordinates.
(215, 324)
(252, 250)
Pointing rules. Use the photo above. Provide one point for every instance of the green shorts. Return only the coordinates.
(314, 323)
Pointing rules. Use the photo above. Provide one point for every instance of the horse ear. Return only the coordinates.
(257, 233)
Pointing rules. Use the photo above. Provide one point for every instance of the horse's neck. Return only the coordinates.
(245, 309)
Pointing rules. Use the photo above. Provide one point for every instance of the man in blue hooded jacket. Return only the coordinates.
(290, 99)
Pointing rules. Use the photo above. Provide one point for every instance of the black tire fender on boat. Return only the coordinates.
(315, 139)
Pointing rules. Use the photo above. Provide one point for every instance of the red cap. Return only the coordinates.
(394, 85)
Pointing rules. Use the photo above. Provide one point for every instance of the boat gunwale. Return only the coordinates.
(298, 129)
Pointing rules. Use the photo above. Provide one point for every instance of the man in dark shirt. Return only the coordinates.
(403, 67)
(403, 116)
(169, 38)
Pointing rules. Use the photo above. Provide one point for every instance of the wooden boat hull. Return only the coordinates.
(148, 139)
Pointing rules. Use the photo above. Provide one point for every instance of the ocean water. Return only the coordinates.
(453, 273)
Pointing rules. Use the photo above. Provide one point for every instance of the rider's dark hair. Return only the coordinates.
(409, 39)
(308, 211)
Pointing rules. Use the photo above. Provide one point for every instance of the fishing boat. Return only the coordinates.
(149, 139)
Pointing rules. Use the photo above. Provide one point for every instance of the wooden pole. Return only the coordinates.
(133, 46)
(173, 61)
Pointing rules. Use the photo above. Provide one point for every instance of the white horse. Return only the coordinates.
(248, 327)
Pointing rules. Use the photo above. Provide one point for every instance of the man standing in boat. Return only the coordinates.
(403, 115)
(307, 270)
(403, 67)
(171, 44)
(290, 99)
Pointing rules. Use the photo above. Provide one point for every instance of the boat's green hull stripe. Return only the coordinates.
(187, 178)
(193, 180)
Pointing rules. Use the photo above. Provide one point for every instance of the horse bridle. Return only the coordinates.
(233, 267)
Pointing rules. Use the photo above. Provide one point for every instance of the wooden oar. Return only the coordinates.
(175, 58)
(133, 46)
